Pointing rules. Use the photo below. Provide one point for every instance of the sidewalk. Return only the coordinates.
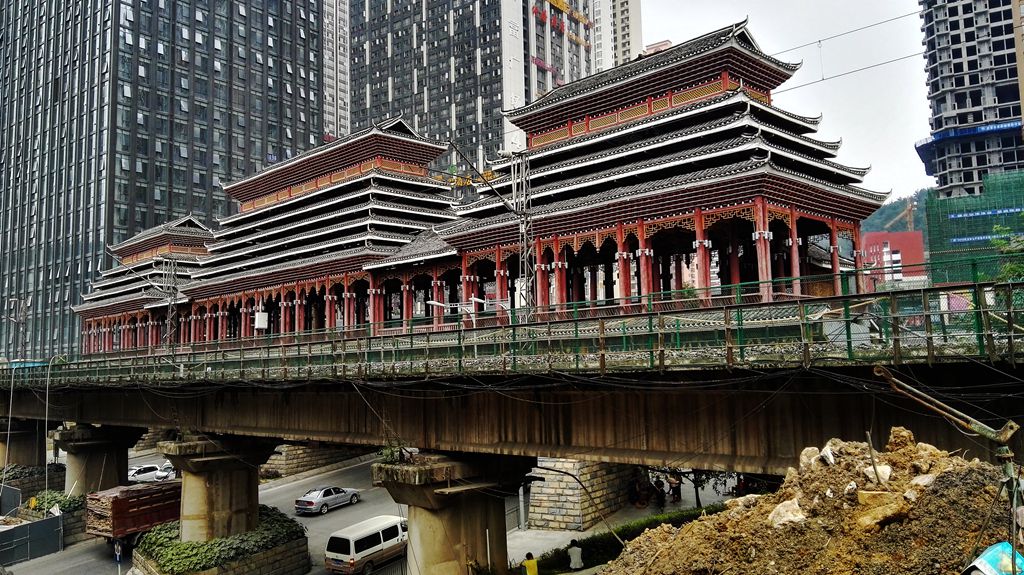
(540, 541)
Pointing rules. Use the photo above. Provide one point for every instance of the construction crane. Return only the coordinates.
(906, 213)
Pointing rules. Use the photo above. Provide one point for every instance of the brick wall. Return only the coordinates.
(149, 440)
(559, 503)
(293, 459)
(290, 558)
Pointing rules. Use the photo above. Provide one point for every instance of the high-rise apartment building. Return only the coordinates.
(118, 115)
(617, 32)
(449, 67)
(973, 59)
(336, 66)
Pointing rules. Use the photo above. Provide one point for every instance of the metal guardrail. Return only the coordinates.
(980, 321)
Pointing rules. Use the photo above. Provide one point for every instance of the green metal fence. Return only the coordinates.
(726, 327)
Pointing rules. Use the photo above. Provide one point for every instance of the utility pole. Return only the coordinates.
(522, 206)
(170, 288)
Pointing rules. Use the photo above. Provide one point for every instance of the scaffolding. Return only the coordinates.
(967, 226)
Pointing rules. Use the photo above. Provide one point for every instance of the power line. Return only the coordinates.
(848, 32)
(848, 72)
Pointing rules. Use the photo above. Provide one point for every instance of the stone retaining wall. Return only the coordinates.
(149, 440)
(559, 503)
(293, 459)
(290, 558)
(29, 486)
(74, 523)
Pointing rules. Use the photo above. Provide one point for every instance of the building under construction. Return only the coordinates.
(971, 226)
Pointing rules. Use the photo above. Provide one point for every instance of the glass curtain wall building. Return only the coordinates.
(449, 67)
(118, 115)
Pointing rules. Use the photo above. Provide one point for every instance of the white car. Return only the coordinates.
(166, 472)
(143, 473)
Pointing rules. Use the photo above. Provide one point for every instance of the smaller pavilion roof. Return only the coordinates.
(184, 231)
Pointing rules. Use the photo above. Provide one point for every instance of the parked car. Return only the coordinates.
(323, 499)
(166, 472)
(143, 473)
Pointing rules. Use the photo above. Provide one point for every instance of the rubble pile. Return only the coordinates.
(915, 510)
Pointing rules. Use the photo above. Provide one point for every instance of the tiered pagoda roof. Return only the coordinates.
(325, 220)
(731, 50)
(155, 263)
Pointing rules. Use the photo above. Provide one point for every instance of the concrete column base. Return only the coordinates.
(455, 519)
(220, 484)
(97, 456)
(25, 445)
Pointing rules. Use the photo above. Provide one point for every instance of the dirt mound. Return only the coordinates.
(923, 514)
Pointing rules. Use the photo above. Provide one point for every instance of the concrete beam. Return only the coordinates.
(452, 526)
(97, 457)
(220, 483)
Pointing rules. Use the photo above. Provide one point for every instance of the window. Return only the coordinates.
(390, 533)
(368, 542)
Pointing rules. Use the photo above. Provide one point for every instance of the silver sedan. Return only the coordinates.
(323, 499)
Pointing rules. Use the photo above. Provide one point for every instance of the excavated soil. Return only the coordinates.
(926, 519)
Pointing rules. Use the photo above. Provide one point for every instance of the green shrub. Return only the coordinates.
(603, 547)
(47, 499)
(176, 557)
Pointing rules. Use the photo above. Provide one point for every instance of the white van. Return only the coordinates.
(360, 547)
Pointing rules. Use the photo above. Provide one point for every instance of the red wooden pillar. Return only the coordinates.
(625, 272)
(466, 306)
(559, 265)
(246, 324)
(222, 320)
(541, 273)
(140, 333)
(764, 248)
(300, 312)
(592, 295)
(703, 255)
(646, 255)
(407, 302)
(677, 273)
(373, 305)
(858, 251)
(500, 283)
(439, 297)
(210, 318)
(794, 251)
(833, 234)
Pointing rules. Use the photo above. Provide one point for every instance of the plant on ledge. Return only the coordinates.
(176, 557)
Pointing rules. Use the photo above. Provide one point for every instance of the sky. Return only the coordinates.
(878, 113)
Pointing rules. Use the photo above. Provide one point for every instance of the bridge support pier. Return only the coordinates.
(455, 519)
(97, 456)
(220, 483)
(25, 444)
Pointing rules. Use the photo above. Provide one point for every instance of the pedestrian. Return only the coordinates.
(529, 565)
(675, 487)
(575, 555)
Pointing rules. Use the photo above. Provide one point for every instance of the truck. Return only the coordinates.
(123, 514)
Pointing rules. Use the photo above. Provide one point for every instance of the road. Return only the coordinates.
(95, 557)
